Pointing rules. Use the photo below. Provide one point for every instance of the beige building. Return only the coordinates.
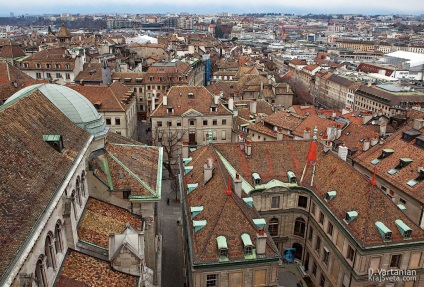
(194, 115)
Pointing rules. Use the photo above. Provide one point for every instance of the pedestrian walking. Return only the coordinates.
(167, 200)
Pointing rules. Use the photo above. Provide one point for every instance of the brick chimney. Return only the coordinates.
(327, 146)
(248, 148)
(279, 134)
(307, 133)
(207, 170)
(253, 106)
(342, 152)
(366, 145)
(383, 129)
(237, 185)
(216, 99)
(184, 150)
(261, 241)
(231, 104)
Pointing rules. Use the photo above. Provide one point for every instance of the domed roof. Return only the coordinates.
(74, 105)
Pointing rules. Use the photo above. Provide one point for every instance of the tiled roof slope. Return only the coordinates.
(202, 101)
(111, 98)
(402, 149)
(101, 218)
(31, 170)
(284, 119)
(11, 51)
(272, 160)
(9, 73)
(226, 215)
(310, 122)
(91, 72)
(133, 167)
(80, 270)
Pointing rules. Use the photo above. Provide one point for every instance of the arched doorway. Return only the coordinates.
(298, 252)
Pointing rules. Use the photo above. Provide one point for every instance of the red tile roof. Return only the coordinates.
(284, 119)
(80, 270)
(31, 170)
(179, 100)
(101, 218)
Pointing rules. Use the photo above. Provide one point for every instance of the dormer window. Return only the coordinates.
(350, 216)
(418, 179)
(256, 178)
(247, 243)
(222, 247)
(54, 141)
(385, 232)
(213, 109)
(248, 250)
(404, 229)
(190, 95)
(330, 195)
(169, 110)
(57, 66)
(385, 153)
(38, 66)
(26, 65)
(67, 66)
(48, 66)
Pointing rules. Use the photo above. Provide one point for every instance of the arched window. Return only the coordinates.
(40, 273)
(74, 206)
(78, 191)
(273, 227)
(83, 183)
(58, 244)
(49, 251)
(299, 227)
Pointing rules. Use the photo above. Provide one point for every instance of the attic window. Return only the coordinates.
(169, 110)
(213, 109)
(385, 232)
(222, 247)
(385, 153)
(404, 229)
(190, 95)
(403, 162)
(54, 141)
(350, 216)
(330, 195)
(256, 178)
(292, 177)
(127, 80)
(247, 243)
(138, 80)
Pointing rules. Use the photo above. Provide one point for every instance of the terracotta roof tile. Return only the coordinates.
(80, 270)
(284, 119)
(101, 218)
(31, 170)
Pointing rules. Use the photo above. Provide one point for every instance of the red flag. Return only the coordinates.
(373, 180)
(312, 154)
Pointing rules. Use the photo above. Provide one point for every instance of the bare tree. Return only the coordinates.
(170, 140)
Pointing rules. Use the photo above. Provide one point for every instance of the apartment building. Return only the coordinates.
(340, 229)
(196, 115)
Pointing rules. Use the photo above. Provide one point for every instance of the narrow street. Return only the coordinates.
(172, 250)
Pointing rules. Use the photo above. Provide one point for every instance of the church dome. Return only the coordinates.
(74, 105)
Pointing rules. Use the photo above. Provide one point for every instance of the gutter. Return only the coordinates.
(31, 240)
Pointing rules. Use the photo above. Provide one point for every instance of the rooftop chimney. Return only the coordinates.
(279, 134)
(153, 103)
(231, 104)
(207, 170)
(253, 106)
(342, 152)
(248, 148)
(383, 129)
(327, 146)
(418, 124)
(366, 145)
(184, 150)
(165, 100)
(338, 131)
(261, 241)
(216, 99)
(307, 133)
(374, 141)
(237, 185)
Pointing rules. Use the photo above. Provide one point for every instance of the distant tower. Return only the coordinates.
(106, 75)
(283, 30)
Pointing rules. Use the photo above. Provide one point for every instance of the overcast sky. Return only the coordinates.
(19, 7)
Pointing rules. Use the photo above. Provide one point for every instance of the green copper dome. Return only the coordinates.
(74, 105)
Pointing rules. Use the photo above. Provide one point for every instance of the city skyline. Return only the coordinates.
(251, 6)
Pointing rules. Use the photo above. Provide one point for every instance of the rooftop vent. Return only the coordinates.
(402, 163)
(198, 225)
(350, 216)
(330, 195)
(404, 229)
(195, 210)
(384, 231)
